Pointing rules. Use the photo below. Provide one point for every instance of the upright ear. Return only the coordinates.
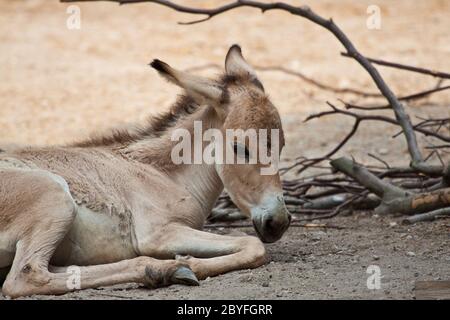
(235, 64)
(199, 88)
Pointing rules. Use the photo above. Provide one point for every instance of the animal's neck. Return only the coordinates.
(201, 180)
(204, 184)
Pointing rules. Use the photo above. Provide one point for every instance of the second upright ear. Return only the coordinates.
(235, 63)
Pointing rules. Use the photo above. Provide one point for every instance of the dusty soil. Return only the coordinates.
(59, 85)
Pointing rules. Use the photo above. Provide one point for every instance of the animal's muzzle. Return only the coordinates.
(271, 219)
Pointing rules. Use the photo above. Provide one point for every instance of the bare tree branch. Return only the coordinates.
(410, 97)
(366, 178)
(417, 203)
(364, 117)
(437, 74)
(427, 216)
(307, 163)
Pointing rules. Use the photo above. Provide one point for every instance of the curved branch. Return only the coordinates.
(311, 162)
(437, 74)
(317, 83)
(363, 117)
(414, 96)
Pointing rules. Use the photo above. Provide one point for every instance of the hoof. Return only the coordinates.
(184, 275)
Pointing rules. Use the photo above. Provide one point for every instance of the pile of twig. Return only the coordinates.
(419, 189)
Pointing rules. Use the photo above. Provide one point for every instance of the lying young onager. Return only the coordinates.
(119, 208)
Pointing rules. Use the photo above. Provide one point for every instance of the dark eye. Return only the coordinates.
(241, 150)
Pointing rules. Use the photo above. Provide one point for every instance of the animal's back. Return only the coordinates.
(96, 177)
(100, 182)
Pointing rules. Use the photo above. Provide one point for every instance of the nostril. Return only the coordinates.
(269, 223)
(274, 224)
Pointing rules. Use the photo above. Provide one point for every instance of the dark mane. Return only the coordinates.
(155, 127)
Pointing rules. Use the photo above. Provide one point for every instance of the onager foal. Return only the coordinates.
(118, 208)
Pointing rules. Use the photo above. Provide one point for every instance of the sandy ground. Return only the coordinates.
(59, 85)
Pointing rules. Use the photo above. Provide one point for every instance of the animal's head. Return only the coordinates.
(252, 140)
